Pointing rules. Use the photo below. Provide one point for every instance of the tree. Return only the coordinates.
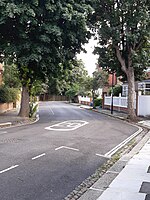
(72, 77)
(72, 91)
(40, 35)
(123, 29)
(11, 76)
(99, 80)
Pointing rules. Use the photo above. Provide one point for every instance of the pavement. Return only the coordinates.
(11, 118)
(128, 179)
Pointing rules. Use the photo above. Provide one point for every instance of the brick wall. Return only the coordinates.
(5, 107)
(117, 108)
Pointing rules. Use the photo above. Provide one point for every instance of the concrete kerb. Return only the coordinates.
(9, 124)
(6, 124)
(113, 116)
(138, 125)
(96, 190)
(123, 143)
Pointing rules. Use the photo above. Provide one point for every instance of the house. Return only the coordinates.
(143, 87)
(112, 81)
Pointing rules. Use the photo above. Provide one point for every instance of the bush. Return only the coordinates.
(98, 102)
(116, 90)
(33, 109)
(8, 95)
(13, 94)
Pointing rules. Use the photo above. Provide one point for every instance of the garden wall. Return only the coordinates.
(5, 107)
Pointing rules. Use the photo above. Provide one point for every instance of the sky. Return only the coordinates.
(88, 58)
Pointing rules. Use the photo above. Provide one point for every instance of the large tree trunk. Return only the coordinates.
(24, 109)
(129, 71)
(131, 93)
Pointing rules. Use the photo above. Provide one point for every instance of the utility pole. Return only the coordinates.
(112, 92)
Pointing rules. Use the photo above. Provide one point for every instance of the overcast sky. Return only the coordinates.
(88, 58)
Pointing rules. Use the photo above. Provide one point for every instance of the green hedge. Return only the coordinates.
(8, 95)
(97, 102)
(116, 90)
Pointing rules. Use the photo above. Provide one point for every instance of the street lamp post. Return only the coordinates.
(112, 92)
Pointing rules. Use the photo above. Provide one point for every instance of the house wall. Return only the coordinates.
(116, 108)
(112, 78)
(144, 105)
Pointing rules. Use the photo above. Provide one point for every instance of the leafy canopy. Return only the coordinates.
(72, 77)
(123, 31)
(39, 35)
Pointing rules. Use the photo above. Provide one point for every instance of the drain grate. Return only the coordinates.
(10, 140)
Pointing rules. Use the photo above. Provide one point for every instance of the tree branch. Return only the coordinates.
(137, 46)
(121, 60)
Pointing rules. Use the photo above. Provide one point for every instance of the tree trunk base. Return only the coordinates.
(24, 109)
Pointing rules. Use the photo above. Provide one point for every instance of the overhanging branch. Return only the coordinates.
(121, 60)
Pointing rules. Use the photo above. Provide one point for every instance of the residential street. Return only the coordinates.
(47, 164)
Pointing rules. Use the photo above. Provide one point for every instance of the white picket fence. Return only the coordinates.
(84, 99)
(117, 101)
(143, 103)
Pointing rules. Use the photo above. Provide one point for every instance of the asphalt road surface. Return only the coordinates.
(48, 159)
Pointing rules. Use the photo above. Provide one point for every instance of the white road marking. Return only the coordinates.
(64, 147)
(67, 125)
(96, 189)
(36, 157)
(5, 170)
(51, 110)
(59, 148)
(100, 155)
(3, 132)
(119, 146)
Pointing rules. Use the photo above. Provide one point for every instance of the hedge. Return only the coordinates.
(8, 95)
(97, 102)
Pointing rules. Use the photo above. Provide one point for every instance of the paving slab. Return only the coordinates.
(91, 195)
(111, 194)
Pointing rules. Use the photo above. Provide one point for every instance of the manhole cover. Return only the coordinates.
(10, 140)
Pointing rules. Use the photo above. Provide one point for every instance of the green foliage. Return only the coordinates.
(99, 80)
(124, 33)
(98, 102)
(4, 95)
(32, 109)
(74, 73)
(123, 30)
(40, 36)
(11, 76)
(37, 88)
(13, 92)
(72, 91)
(116, 90)
(8, 95)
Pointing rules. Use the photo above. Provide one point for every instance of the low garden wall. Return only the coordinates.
(5, 107)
